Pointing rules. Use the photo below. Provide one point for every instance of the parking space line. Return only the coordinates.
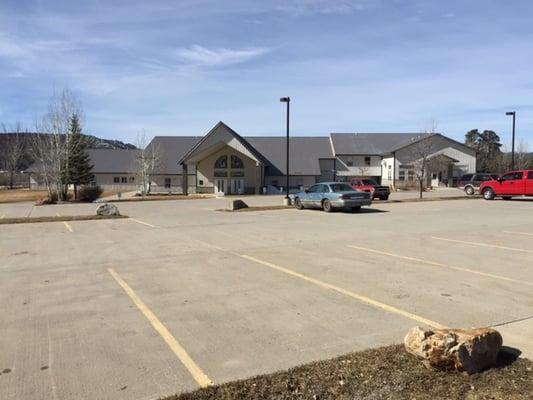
(482, 244)
(518, 233)
(436, 264)
(361, 298)
(68, 226)
(142, 222)
(199, 376)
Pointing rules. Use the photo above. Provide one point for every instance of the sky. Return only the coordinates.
(178, 67)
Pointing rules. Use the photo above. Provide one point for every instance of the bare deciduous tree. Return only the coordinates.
(522, 156)
(147, 162)
(12, 151)
(50, 150)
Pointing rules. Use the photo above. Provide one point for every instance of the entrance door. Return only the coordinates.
(237, 186)
(435, 179)
(220, 186)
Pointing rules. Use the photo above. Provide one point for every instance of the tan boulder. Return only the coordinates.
(470, 350)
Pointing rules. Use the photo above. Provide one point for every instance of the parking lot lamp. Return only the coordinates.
(288, 101)
(513, 113)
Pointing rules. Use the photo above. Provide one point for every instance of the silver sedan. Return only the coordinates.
(332, 195)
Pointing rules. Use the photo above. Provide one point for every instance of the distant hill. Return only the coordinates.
(93, 142)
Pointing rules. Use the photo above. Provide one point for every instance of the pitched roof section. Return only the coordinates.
(372, 143)
(171, 149)
(113, 161)
(304, 153)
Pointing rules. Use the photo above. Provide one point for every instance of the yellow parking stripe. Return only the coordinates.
(193, 368)
(361, 298)
(482, 244)
(68, 226)
(436, 264)
(142, 222)
(518, 233)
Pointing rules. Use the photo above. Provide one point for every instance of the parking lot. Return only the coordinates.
(181, 295)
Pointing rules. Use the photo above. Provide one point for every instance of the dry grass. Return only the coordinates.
(66, 218)
(19, 195)
(158, 197)
(383, 373)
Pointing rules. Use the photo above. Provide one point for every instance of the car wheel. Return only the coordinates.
(506, 197)
(469, 190)
(356, 208)
(488, 194)
(298, 204)
(326, 206)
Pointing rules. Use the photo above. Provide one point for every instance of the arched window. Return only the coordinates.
(236, 163)
(222, 162)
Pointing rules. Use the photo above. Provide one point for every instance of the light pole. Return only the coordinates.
(288, 101)
(513, 113)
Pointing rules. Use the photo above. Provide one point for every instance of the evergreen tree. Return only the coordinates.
(79, 168)
(487, 144)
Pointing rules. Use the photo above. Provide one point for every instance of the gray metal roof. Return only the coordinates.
(171, 149)
(304, 153)
(113, 161)
(372, 143)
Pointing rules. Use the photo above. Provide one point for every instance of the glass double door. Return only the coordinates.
(236, 186)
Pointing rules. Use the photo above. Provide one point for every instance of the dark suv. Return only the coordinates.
(470, 183)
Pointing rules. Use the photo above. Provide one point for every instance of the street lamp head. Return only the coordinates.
(285, 99)
(510, 113)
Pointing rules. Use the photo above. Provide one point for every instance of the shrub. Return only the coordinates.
(89, 193)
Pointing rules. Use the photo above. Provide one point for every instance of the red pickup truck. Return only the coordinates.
(511, 184)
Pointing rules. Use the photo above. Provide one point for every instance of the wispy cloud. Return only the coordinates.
(323, 7)
(200, 55)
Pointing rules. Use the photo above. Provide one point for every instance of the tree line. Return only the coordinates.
(491, 156)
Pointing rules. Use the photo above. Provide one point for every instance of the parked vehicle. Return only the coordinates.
(371, 186)
(511, 184)
(332, 195)
(470, 183)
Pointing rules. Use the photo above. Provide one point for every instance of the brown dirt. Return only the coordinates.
(66, 218)
(259, 208)
(383, 373)
(19, 195)
(154, 197)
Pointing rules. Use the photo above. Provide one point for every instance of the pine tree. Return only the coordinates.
(79, 170)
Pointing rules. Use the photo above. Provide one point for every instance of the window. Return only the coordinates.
(236, 163)
(222, 162)
(530, 175)
(168, 183)
(220, 174)
(340, 187)
(410, 175)
(401, 175)
(132, 179)
(367, 161)
(116, 179)
(349, 163)
(370, 182)
(201, 182)
(314, 189)
(237, 174)
(512, 176)
(323, 188)
(124, 179)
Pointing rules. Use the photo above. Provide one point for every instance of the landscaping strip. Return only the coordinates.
(382, 373)
(158, 198)
(66, 218)
(258, 208)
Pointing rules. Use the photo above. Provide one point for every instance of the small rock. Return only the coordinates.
(469, 350)
(107, 209)
(237, 204)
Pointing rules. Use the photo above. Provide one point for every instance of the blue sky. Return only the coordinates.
(178, 67)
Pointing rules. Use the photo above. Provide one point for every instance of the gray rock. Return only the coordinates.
(470, 350)
(237, 205)
(107, 209)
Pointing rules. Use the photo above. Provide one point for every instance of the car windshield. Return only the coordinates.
(369, 182)
(340, 187)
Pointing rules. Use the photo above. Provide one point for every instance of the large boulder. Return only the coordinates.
(107, 209)
(237, 205)
(470, 350)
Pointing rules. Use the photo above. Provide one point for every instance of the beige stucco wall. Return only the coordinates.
(206, 167)
(359, 167)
